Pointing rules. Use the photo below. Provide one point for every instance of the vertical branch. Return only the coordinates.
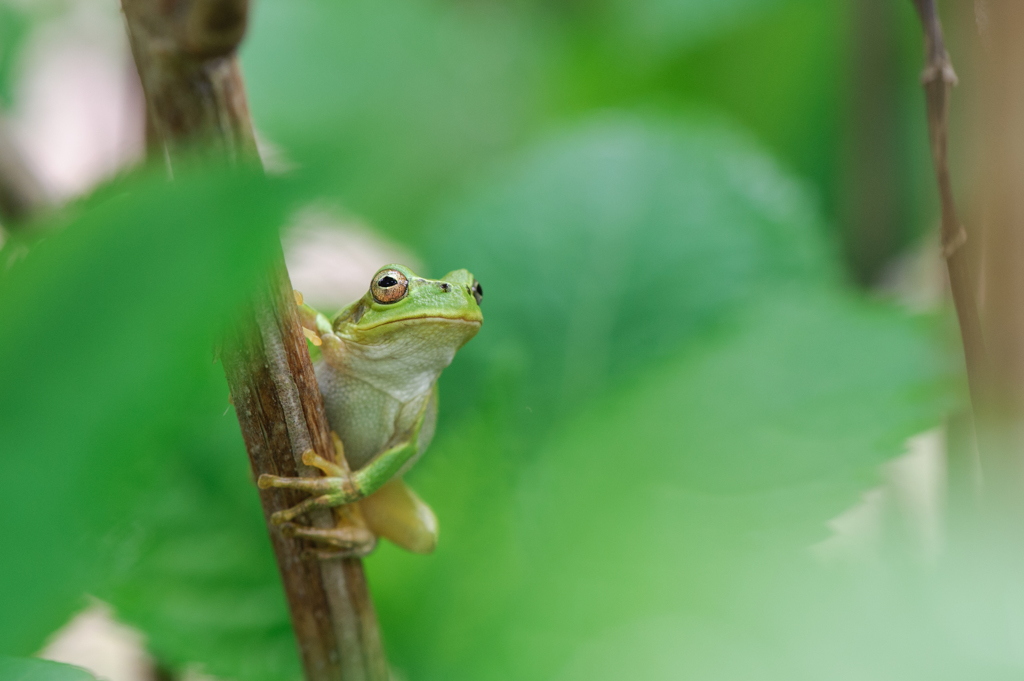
(185, 53)
(996, 367)
(1002, 152)
(938, 79)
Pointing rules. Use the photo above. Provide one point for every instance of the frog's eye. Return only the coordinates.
(389, 286)
(477, 290)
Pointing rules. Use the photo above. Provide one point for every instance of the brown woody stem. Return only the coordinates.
(185, 53)
(1001, 74)
(938, 79)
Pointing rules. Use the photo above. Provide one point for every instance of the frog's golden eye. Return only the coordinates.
(389, 286)
(477, 290)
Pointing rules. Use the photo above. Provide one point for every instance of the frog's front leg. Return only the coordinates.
(310, 318)
(317, 328)
(339, 487)
(336, 489)
(340, 490)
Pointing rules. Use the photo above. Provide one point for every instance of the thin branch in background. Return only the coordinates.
(185, 53)
(938, 79)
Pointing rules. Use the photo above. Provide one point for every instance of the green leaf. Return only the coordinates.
(677, 493)
(109, 323)
(22, 669)
(605, 247)
(198, 575)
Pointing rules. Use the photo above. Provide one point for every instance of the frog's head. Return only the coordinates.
(404, 309)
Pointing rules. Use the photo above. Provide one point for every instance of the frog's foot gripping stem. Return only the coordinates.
(329, 468)
(350, 537)
(336, 489)
(330, 492)
(316, 326)
(341, 488)
(345, 541)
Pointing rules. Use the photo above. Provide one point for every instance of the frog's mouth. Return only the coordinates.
(425, 318)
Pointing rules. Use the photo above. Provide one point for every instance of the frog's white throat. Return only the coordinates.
(406, 365)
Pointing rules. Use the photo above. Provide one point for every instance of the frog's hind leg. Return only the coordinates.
(349, 537)
(344, 541)
(311, 504)
(396, 513)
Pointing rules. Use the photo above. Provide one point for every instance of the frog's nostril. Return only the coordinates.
(445, 288)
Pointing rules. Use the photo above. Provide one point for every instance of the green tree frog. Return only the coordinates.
(380, 360)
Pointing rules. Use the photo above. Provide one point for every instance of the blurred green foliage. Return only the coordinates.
(21, 669)
(115, 315)
(14, 25)
(396, 106)
(639, 232)
(197, 572)
(674, 390)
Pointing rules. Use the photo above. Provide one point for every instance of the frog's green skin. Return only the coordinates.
(378, 375)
